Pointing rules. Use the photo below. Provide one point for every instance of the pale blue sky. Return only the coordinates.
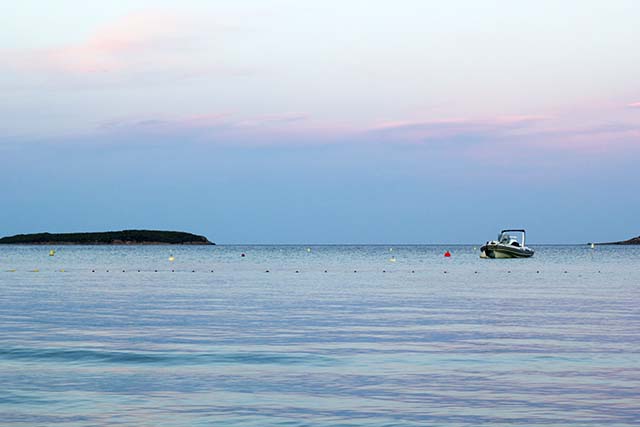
(322, 121)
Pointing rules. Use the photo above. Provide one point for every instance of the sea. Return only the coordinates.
(310, 335)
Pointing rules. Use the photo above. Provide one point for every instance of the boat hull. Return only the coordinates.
(498, 251)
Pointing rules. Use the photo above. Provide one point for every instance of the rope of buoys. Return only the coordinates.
(94, 270)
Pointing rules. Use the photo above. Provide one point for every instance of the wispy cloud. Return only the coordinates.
(634, 105)
(278, 128)
(437, 130)
(145, 45)
(466, 137)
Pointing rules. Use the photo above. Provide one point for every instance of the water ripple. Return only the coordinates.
(81, 356)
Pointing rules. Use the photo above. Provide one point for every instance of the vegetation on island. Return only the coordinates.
(124, 237)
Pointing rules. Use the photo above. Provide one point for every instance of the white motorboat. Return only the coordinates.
(507, 246)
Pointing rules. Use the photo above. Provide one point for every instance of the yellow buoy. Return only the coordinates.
(52, 252)
(392, 259)
(172, 258)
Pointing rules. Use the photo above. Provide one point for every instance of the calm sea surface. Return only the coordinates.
(329, 336)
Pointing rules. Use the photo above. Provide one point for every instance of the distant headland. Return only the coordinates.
(124, 237)
(633, 241)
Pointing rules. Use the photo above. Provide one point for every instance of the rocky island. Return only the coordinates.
(633, 241)
(124, 237)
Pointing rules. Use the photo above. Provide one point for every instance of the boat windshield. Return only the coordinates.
(506, 239)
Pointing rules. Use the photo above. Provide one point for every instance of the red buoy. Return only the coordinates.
(447, 254)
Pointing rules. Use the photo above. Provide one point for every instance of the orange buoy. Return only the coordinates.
(447, 254)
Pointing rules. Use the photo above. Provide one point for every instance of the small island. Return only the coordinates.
(633, 241)
(124, 237)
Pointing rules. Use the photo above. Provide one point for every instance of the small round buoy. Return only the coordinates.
(325, 271)
(384, 271)
(242, 255)
(355, 271)
(445, 272)
(266, 271)
(413, 271)
(308, 249)
(297, 271)
(171, 258)
(392, 259)
(447, 254)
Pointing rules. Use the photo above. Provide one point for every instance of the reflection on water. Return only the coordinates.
(123, 336)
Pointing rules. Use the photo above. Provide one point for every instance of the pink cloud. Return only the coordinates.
(634, 105)
(527, 138)
(417, 131)
(214, 122)
(116, 46)
(150, 45)
(287, 128)
(119, 45)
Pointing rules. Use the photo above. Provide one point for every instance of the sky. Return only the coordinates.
(287, 121)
